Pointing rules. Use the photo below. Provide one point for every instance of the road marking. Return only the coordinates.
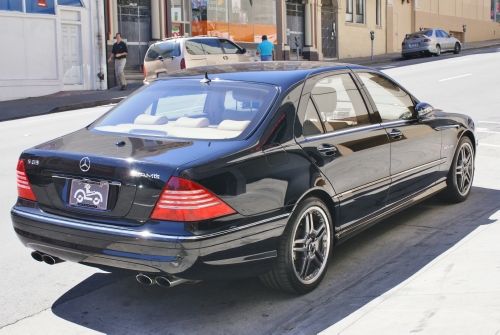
(386, 67)
(489, 145)
(489, 122)
(479, 130)
(71, 114)
(461, 60)
(464, 75)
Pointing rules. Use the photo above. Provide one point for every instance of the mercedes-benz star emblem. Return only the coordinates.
(85, 164)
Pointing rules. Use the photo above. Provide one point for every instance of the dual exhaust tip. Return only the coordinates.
(41, 257)
(164, 281)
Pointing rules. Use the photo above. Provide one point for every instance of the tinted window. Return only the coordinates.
(186, 108)
(164, 49)
(429, 33)
(444, 34)
(339, 102)
(193, 47)
(439, 33)
(211, 46)
(390, 100)
(230, 48)
(312, 123)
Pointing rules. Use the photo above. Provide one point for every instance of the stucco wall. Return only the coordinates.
(354, 38)
(399, 23)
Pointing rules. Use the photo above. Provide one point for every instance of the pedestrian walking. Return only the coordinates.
(119, 53)
(265, 49)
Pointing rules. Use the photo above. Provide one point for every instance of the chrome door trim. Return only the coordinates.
(342, 132)
(244, 259)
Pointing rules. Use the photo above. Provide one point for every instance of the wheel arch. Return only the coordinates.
(472, 138)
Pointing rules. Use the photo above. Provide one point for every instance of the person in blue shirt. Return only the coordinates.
(265, 49)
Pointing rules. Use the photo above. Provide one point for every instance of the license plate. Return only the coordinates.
(89, 194)
(414, 45)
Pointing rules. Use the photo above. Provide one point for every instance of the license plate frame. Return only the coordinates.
(89, 194)
(413, 45)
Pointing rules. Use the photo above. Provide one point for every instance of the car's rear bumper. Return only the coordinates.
(240, 251)
(417, 51)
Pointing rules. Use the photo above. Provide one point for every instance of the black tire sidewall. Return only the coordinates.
(297, 285)
(453, 194)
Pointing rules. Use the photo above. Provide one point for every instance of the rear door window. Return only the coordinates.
(211, 46)
(194, 47)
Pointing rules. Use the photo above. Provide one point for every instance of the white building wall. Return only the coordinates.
(31, 62)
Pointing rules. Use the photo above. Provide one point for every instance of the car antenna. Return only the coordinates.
(206, 80)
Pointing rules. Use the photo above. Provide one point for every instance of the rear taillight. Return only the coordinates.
(184, 200)
(183, 64)
(23, 185)
(403, 43)
(427, 40)
(144, 71)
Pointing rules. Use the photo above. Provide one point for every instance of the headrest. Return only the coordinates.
(233, 125)
(325, 98)
(151, 119)
(246, 95)
(187, 122)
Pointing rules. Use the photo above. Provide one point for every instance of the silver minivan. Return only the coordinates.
(179, 53)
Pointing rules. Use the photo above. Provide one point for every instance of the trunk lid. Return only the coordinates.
(108, 178)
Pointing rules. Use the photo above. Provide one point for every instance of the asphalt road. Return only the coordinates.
(73, 299)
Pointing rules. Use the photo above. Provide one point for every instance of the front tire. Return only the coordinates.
(457, 49)
(461, 174)
(304, 250)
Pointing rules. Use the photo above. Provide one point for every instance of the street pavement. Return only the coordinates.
(72, 100)
(431, 269)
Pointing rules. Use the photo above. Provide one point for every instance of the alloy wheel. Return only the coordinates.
(438, 50)
(311, 245)
(465, 168)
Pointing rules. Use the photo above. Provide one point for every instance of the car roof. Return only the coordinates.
(263, 72)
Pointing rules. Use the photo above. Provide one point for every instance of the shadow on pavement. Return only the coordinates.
(362, 269)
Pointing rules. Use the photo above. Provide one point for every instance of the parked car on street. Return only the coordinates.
(238, 170)
(178, 53)
(428, 43)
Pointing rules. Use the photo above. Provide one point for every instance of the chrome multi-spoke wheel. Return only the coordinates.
(304, 249)
(464, 168)
(461, 174)
(311, 244)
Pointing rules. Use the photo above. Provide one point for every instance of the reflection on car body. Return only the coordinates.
(257, 173)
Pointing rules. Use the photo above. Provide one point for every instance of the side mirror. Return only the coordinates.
(423, 110)
(451, 34)
(243, 50)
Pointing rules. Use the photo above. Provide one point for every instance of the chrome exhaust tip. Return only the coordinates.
(144, 279)
(169, 281)
(51, 260)
(37, 256)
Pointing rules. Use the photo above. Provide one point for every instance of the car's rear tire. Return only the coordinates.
(438, 50)
(461, 174)
(457, 49)
(304, 249)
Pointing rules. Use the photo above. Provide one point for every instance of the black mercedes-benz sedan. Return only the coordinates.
(239, 170)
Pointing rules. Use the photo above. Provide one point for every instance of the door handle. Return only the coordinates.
(396, 134)
(327, 149)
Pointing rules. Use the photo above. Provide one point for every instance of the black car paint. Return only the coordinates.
(265, 176)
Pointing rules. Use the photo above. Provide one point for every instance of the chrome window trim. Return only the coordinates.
(343, 132)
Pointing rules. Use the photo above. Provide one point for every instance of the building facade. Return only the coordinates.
(51, 46)
(479, 16)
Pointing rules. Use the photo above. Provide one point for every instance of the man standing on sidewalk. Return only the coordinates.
(120, 54)
(265, 49)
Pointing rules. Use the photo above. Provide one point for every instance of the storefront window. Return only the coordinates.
(237, 20)
(495, 10)
(176, 10)
(12, 5)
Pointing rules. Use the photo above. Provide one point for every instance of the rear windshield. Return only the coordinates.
(165, 49)
(187, 108)
(420, 34)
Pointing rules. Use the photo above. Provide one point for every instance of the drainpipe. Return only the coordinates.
(101, 75)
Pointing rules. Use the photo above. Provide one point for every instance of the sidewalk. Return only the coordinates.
(71, 100)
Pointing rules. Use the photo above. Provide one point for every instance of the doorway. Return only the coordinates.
(134, 24)
(295, 25)
(71, 55)
(329, 31)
